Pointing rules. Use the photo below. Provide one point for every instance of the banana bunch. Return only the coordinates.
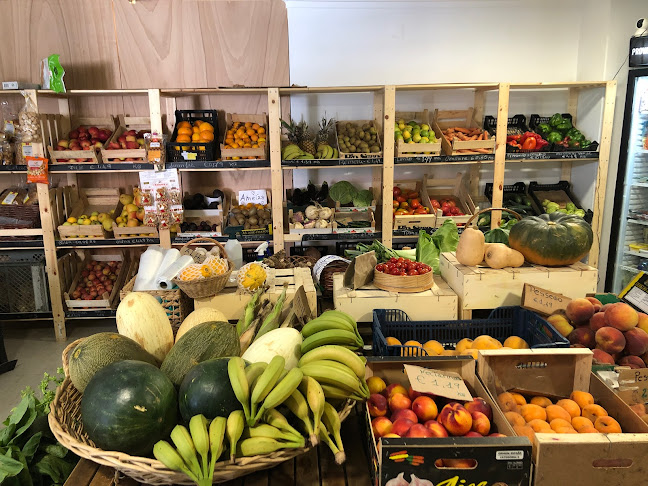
(196, 450)
(266, 438)
(260, 388)
(332, 327)
(292, 151)
(325, 151)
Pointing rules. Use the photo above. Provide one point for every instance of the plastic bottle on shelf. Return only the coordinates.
(234, 252)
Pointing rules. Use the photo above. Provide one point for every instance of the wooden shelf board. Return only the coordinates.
(560, 85)
(108, 243)
(22, 232)
(171, 93)
(93, 92)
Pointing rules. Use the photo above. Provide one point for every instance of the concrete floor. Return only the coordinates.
(34, 346)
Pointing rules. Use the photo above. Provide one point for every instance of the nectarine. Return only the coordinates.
(621, 316)
(455, 418)
(478, 404)
(425, 408)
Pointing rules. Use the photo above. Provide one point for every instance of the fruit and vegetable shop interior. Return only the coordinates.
(323, 242)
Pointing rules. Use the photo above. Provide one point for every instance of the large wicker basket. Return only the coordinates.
(209, 286)
(65, 423)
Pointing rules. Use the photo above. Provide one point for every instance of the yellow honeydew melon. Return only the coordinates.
(204, 314)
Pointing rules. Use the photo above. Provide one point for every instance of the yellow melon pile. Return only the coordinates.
(211, 267)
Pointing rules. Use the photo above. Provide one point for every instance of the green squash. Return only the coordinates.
(99, 350)
(207, 390)
(552, 240)
(128, 406)
(208, 340)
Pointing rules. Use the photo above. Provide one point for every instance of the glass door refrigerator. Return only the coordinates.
(629, 233)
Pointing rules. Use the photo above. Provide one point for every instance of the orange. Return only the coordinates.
(250, 132)
(183, 138)
(544, 402)
(255, 126)
(197, 123)
(571, 406)
(540, 426)
(519, 399)
(230, 133)
(184, 124)
(255, 145)
(556, 412)
(248, 124)
(240, 143)
(582, 398)
(206, 126)
(531, 412)
(229, 141)
(254, 137)
(247, 145)
(184, 131)
(560, 424)
(581, 422)
(392, 341)
(195, 137)
(261, 130)
(514, 418)
(206, 136)
(593, 412)
(196, 130)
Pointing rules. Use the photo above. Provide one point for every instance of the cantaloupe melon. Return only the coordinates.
(100, 350)
(143, 319)
(204, 314)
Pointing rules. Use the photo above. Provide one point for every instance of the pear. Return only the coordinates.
(107, 224)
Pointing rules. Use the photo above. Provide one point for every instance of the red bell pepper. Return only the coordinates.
(529, 143)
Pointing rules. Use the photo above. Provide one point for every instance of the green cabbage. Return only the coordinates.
(363, 199)
(343, 192)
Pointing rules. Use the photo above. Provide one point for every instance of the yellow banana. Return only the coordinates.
(331, 336)
(234, 429)
(239, 382)
(265, 430)
(340, 456)
(255, 446)
(216, 437)
(325, 323)
(297, 404)
(200, 437)
(336, 393)
(266, 383)
(167, 455)
(315, 398)
(185, 446)
(253, 372)
(331, 421)
(280, 392)
(325, 374)
(336, 353)
(276, 419)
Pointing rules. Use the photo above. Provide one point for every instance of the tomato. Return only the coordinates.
(435, 204)
(415, 203)
(401, 199)
(412, 272)
(397, 192)
(396, 203)
(380, 267)
(404, 205)
(421, 211)
(413, 195)
(400, 212)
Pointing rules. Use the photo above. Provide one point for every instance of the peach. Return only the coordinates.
(464, 344)
(377, 405)
(455, 418)
(515, 342)
(588, 430)
(480, 423)
(418, 431)
(486, 342)
(607, 425)
(376, 384)
(425, 408)
(519, 399)
(643, 321)
(473, 353)
(398, 401)
(565, 430)
(621, 316)
(570, 406)
(412, 394)
(394, 388)
(436, 429)
(579, 310)
(507, 402)
(633, 362)
(531, 412)
(472, 433)
(644, 357)
(543, 402)
(401, 426)
(559, 423)
(596, 303)
(514, 418)
(381, 426)
(555, 412)
(601, 357)
(582, 335)
(639, 409)
(607, 306)
(597, 321)
(413, 348)
(593, 412)
(582, 398)
(540, 426)
(478, 404)
(561, 324)
(579, 422)
(636, 341)
(404, 413)
(610, 340)
(524, 431)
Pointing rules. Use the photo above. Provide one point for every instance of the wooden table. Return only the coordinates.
(316, 467)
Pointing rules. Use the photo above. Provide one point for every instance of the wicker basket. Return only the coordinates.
(326, 279)
(19, 216)
(176, 304)
(209, 286)
(65, 423)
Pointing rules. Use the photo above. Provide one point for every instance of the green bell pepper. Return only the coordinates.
(585, 143)
(556, 120)
(565, 126)
(573, 143)
(544, 127)
(574, 133)
(554, 137)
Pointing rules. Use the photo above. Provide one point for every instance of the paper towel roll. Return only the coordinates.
(149, 264)
(170, 256)
(164, 280)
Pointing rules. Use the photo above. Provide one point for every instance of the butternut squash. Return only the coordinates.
(143, 319)
(470, 249)
(498, 255)
(203, 314)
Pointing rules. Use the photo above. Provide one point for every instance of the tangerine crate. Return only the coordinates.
(53, 132)
(417, 149)
(555, 373)
(245, 153)
(126, 123)
(455, 189)
(188, 151)
(88, 201)
(502, 323)
(444, 119)
(416, 220)
(368, 155)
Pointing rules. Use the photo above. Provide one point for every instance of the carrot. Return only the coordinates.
(462, 130)
(484, 151)
(474, 137)
(462, 136)
(481, 137)
(486, 136)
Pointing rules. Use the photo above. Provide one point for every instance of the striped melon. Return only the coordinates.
(204, 314)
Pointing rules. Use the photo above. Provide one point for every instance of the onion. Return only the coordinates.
(325, 213)
(312, 212)
(298, 217)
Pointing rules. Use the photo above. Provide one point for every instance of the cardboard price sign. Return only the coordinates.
(542, 301)
(255, 196)
(443, 383)
(633, 386)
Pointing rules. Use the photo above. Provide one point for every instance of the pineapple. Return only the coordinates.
(324, 131)
(300, 135)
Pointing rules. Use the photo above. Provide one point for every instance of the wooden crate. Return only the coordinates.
(232, 302)
(212, 216)
(126, 155)
(132, 231)
(465, 119)
(481, 287)
(308, 231)
(231, 200)
(53, 131)
(456, 189)
(109, 300)
(359, 215)
(89, 200)
(417, 149)
(438, 303)
(244, 153)
(416, 220)
(370, 155)
(574, 459)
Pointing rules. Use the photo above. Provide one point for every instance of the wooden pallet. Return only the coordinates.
(437, 304)
(481, 287)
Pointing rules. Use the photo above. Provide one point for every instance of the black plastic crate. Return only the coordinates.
(202, 150)
(516, 126)
(502, 322)
(563, 186)
(536, 120)
(23, 282)
(519, 188)
(298, 250)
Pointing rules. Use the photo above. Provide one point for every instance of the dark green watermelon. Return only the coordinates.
(128, 406)
(206, 389)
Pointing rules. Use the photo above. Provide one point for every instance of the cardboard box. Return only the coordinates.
(574, 459)
(504, 460)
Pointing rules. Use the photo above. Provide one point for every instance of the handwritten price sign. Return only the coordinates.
(255, 196)
(442, 383)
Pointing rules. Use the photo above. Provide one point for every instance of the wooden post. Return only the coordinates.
(274, 139)
(475, 169)
(572, 109)
(500, 152)
(389, 113)
(154, 110)
(602, 172)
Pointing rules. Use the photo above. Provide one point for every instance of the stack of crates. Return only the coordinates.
(23, 284)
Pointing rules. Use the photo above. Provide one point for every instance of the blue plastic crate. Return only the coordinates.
(500, 324)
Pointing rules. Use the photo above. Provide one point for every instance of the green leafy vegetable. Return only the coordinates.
(382, 252)
(501, 234)
(430, 247)
(363, 198)
(343, 192)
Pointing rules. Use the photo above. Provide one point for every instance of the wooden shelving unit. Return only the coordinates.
(162, 102)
